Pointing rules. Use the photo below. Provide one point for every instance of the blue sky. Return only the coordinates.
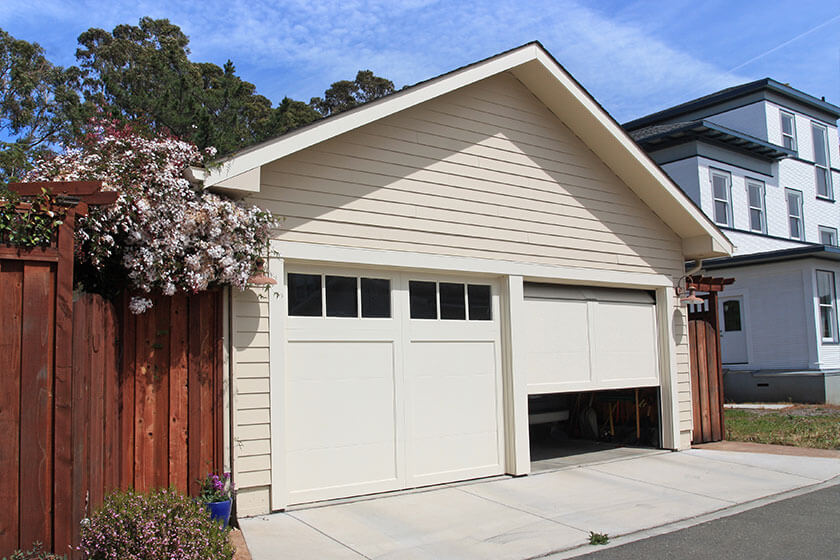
(634, 57)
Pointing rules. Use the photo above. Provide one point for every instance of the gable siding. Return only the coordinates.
(486, 171)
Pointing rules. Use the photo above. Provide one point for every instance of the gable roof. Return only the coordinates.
(547, 80)
(734, 92)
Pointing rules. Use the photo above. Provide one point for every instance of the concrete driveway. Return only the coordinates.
(540, 514)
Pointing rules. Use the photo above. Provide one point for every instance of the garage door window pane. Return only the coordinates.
(423, 300)
(479, 298)
(304, 295)
(341, 297)
(452, 302)
(376, 298)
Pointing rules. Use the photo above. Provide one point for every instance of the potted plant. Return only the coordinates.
(217, 495)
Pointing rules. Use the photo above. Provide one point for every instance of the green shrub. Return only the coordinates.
(37, 553)
(161, 525)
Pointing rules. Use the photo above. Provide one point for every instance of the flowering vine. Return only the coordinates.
(161, 233)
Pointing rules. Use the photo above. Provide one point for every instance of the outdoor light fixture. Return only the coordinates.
(691, 297)
(260, 278)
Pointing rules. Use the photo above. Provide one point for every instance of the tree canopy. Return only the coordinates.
(142, 74)
(344, 94)
(39, 104)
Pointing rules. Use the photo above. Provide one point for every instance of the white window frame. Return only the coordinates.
(830, 308)
(762, 208)
(792, 216)
(792, 135)
(727, 177)
(830, 231)
(823, 168)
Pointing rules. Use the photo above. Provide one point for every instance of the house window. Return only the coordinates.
(455, 301)
(722, 197)
(788, 131)
(828, 312)
(828, 236)
(821, 161)
(794, 206)
(755, 199)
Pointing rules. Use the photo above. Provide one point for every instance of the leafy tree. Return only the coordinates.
(344, 94)
(142, 74)
(39, 105)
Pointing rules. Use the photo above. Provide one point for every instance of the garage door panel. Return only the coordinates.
(625, 349)
(557, 342)
(316, 474)
(334, 360)
(443, 459)
(582, 338)
(452, 407)
(340, 411)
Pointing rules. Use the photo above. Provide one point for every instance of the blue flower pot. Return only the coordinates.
(220, 511)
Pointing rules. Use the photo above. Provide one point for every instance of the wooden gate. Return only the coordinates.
(706, 373)
(93, 398)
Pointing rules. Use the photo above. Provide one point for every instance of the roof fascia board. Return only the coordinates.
(340, 124)
(807, 109)
(619, 152)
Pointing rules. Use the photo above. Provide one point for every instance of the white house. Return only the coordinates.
(445, 252)
(761, 160)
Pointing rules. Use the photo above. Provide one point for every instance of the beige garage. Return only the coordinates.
(444, 252)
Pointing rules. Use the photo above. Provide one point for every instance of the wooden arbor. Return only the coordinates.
(706, 372)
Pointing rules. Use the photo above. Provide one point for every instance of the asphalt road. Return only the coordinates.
(806, 527)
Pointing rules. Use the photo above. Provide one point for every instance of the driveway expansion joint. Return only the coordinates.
(335, 540)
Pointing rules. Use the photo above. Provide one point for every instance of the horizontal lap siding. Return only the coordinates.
(486, 172)
(683, 389)
(252, 437)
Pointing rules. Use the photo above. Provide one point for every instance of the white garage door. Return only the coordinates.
(581, 339)
(392, 381)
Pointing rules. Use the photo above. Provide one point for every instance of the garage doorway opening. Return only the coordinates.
(568, 429)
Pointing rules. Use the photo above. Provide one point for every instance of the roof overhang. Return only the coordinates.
(823, 252)
(553, 86)
(713, 133)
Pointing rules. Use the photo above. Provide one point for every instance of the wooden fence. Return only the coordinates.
(706, 375)
(103, 400)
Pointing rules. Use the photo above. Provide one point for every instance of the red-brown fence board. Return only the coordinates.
(11, 290)
(178, 396)
(36, 378)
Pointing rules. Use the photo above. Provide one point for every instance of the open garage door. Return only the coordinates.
(392, 381)
(586, 339)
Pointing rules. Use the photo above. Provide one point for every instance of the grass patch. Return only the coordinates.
(816, 426)
(598, 538)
